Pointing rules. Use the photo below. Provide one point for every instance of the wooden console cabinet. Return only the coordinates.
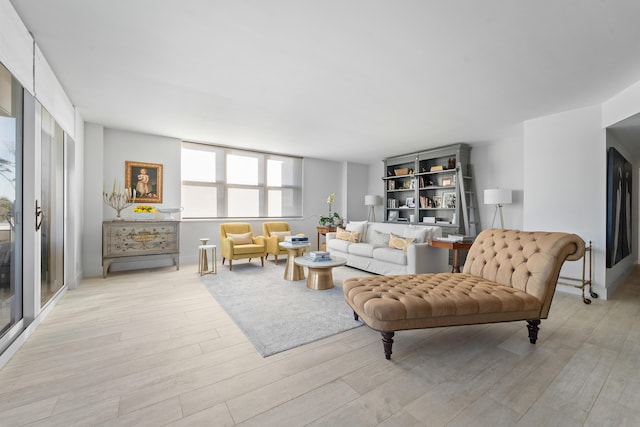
(121, 239)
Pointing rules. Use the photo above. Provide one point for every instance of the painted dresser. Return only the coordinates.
(121, 239)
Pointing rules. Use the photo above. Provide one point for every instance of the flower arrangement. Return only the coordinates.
(144, 209)
(334, 217)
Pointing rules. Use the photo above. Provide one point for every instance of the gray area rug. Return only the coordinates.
(276, 314)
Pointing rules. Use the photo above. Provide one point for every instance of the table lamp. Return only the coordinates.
(498, 197)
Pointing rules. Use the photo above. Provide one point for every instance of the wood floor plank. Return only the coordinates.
(152, 347)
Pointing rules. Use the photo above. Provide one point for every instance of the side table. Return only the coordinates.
(203, 268)
(320, 275)
(456, 247)
(293, 271)
(322, 231)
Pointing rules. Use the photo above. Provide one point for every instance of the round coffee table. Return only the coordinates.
(291, 270)
(320, 276)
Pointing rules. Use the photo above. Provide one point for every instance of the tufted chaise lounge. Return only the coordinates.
(509, 275)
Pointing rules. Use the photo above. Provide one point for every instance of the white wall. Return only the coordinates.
(357, 176)
(499, 164)
(565, 182)
(376, 187)
(104, 160)
(16, 45)
(92, 209)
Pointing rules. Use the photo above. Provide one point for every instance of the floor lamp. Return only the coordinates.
(498, 197)
(371, 201)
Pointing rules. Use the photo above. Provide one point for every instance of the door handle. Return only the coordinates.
(39, 216)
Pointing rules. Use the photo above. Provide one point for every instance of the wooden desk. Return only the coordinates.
(322, 231)
(456, 247)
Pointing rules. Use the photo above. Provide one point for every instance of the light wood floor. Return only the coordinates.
(154, 348)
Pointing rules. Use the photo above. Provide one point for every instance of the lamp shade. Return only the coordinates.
(371, 200)
(497, 196)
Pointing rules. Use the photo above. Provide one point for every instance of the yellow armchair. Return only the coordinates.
(274, 233)
(238, 242)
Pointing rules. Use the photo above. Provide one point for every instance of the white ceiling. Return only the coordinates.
(358, 80)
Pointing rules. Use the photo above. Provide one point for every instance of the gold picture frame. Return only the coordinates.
(146, 179)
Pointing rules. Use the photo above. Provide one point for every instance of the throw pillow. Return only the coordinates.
(280, 234)
(399, 242)
(359, 226)
(349, 236)
(419, 233)
(241, 239)
(378, 238)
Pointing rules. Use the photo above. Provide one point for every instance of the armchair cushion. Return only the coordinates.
(241, 239)
(280, 235)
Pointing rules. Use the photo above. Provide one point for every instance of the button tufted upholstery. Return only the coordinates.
(508, 275)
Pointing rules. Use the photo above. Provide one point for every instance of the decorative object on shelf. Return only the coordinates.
(119, 199)
(401, 171)
(171, 211)
(333, 219)
(144, 212)
(449, 200)
(371, 201)
(437, 201)
(451, 163)
(498, 197)
(446, 182)
(146, 178)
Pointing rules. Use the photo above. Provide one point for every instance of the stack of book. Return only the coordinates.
(318, 256)
(297, 240)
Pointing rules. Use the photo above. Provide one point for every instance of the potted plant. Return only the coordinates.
(333, 219)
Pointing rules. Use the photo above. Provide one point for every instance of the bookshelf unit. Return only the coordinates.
(423, 187)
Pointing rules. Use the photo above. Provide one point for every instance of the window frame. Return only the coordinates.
(293, 185)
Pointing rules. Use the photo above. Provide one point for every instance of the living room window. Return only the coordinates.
(224, 182)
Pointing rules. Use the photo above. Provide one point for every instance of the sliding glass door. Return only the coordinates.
(52, 205)
(11, 102)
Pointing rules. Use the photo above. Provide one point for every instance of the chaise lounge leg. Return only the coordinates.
(532, 326)
(355, 316)
(387, 342)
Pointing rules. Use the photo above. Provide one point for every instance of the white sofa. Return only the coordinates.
(373, 254)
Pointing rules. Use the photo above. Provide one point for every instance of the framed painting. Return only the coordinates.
(145, 179)
(620, 228)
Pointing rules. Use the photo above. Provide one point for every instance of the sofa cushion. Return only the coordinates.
(361, 249)
(339, 245)
(241, 239)
(399, 242)
(393, 256)
(349, 236)
(378, 238)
